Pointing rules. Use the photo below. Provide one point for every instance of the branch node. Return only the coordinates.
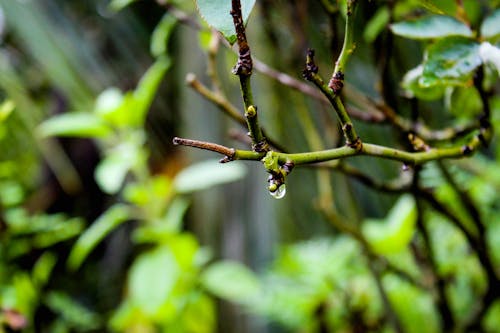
(337, 82)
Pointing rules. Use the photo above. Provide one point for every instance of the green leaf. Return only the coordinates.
(43, 268)
(395, 232)
(431, 27)
(6, 109)
(152, 279)
(376, 24)
(161, 35)
(413, 88)
(490, 28)
(231, 281)
(111, 172)
(206, 174)
(217, 14)
(490, 55)
(73, 313)
(450, 61)
(146, 90)
(101, 227)
(78, 124)
(117, 5)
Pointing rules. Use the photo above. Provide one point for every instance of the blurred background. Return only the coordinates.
(62, 57)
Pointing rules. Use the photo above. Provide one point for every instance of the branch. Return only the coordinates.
(243, 69)
(310, 73)
(337, 81)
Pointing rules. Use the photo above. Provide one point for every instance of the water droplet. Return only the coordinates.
(280, 192)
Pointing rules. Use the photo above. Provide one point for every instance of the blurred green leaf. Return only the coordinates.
(146, 90)
(101, 227)
(108, 103)
(376, 24)
(490, 55)
(431, 27)
(117, 5)
(217, 14)
(412, 306)
(450, 61)
(206, 174)
(490, 28)
(413, 88)
(152, 279)
(231, 281)
(199, 315)
(465, 102)
(6, 109)
(11, 193)
(43, 268)
(395, 232)
(161, 35)
(76, 315)
(79, 124)
(111, 172)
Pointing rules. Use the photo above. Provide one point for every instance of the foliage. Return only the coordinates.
(422, 246)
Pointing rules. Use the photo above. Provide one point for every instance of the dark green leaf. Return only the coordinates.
(79, 124)
(108, 221)
(491, 25)
(431, 27)
(231, 281)
(450, 61)
(217, 14)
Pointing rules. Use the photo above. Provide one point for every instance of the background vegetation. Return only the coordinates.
(106, 226)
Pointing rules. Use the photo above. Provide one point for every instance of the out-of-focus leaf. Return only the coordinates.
(217, 14)
(490, 54)
(146, 90)
(11, 193)
(112, 170)
(78, 124)
(199, 316)
(465, 102)
(152, 279)
(6, 109)
(117, 5)
(376, 24)
(107, 104)
(394, 234)
(431, 27)
(413, 88)
(161, 35)
(231, 281)
(101, 227)
(450, 61)
(43, 268)
(490, 28)
(206, 174)
(162, 230)
(412, 306)
(74, 314)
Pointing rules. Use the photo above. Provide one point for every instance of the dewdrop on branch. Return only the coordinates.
(277, 192)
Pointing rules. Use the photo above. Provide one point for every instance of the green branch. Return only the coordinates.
(367, 149)
(243, 69)
(337, 81)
